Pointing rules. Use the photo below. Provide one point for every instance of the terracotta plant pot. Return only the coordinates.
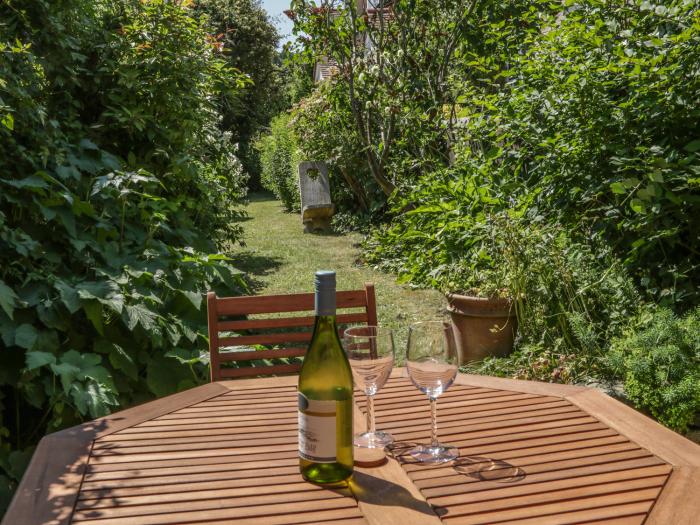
(483, 327)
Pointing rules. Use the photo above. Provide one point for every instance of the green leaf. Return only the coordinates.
(8, 299)
(81, 360)
(25, 336)
(47, 341)
(637, 205)
(93, 310)
(7, 331)
(96, 289)
(115, 302)
(139, 314)
(163, 375)
(692, 146)
(106, 292)
(8, 121)
(93, 399)
(618, 187)
(36, 360)
(74, 366)
(183, 356)
(18, 461)
(67, 372)
(194, 297)
(120, 360)
(33, 182)
(69, 296)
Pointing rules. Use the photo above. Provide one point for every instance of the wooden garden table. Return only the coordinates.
(226, 452)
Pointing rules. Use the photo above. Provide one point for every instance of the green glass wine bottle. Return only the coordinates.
(325, 396)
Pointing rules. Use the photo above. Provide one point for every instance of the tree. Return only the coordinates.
(243, 32)
(394, 59)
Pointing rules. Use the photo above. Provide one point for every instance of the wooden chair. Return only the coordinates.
(221, 310)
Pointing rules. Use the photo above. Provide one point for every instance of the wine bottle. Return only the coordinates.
(325, 396)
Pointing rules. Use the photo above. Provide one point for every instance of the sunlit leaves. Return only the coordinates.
(111, 208)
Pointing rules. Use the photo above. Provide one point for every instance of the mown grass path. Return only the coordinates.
(280, 258)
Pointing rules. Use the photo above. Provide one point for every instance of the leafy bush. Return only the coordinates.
(247, 39)
(660, 363)
(325, 124)
(279, 160)
(570, 297)
(593, 123)
(116, 188)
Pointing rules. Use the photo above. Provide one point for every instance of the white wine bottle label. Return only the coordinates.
(317, 430)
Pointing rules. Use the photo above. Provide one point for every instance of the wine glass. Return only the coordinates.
(370, 351)
(431, 360)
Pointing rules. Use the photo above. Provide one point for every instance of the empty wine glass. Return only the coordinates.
(431, 360)
(370, 350)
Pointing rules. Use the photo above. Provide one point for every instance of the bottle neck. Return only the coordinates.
(325, 322)
(325, 302)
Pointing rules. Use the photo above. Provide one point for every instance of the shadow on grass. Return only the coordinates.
(331, 233)
(261, 196)
(255, 267)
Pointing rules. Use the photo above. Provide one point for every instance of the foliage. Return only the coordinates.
(594, 123)
(660, 363)
(393, 64)
(297, 75)
(279, 160)
(116, 188)
(570, 297)
(247, 40)
(584, 113)
(326, 127)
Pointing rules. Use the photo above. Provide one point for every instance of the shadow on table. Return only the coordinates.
(377, 491)
(49, 488)
(477, 467)
(487, 469)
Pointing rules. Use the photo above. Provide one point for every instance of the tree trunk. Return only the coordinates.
(356, 188)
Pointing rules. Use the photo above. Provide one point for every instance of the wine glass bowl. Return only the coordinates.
(370, 351)
(432, 363)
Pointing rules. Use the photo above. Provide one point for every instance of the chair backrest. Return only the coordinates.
(223, 311)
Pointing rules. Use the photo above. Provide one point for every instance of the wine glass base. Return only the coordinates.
(434, 454)
(377, 439)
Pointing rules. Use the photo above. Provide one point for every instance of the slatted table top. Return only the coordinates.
(227, 453)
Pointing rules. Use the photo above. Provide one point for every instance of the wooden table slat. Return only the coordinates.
(531, 453)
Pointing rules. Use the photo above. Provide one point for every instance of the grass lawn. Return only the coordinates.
(280, 258)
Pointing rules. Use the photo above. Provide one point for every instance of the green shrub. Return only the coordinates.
(594, 124)
(279, 160)
(116, 189)
(660, 364)
(571, 297)
(323, 120)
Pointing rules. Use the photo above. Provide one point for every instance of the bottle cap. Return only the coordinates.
(324, 279)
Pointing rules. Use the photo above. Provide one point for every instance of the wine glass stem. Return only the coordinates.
(433, 421)
(370, 413)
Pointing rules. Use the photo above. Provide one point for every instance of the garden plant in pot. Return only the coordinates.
(482, 295)
(568, 292)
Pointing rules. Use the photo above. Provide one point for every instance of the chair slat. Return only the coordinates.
(287, 322)
(250, 371)
(270, 304)
(261, 354)
(266, 339)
